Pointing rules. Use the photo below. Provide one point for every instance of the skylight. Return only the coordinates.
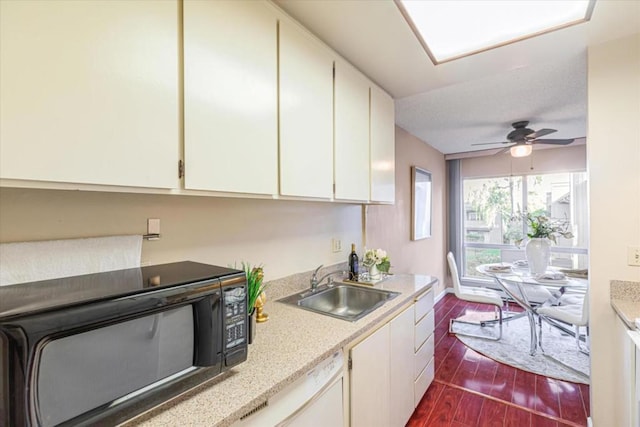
(450, 29)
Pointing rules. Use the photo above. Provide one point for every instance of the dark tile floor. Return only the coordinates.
(472, 390)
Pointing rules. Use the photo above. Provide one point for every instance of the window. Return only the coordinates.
(492, 226)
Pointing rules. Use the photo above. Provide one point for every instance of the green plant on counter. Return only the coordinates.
(255, 284)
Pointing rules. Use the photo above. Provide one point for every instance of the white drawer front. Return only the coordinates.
(423, 382)
(422, 356)
(424, 305)
(424, 328)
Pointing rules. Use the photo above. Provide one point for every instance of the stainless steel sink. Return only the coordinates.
(342, 301)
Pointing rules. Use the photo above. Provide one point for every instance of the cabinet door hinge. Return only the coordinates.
(334, 70)
(180, 169)
(350, 363)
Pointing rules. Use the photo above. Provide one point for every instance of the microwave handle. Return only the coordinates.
(208, 318)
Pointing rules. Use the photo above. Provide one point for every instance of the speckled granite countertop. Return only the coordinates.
(625, 300)
(287, 346)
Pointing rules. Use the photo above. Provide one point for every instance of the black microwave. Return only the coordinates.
(101, 348)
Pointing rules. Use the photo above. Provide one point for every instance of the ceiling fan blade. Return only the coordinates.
(553, 141)
(489, 143)
(539, 133)
(504, 150)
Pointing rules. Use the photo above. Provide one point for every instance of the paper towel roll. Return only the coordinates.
(32, 261)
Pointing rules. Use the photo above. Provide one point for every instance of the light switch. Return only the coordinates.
(153, 226)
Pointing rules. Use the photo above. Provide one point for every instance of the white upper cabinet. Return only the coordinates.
(230, 96)
(351, 144)
(306, 114)
(90, 92)
(382, 147)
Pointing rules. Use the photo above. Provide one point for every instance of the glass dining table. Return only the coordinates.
(532, 291)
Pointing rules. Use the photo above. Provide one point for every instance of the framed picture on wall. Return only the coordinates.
(420, 203)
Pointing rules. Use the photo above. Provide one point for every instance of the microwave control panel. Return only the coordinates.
(235, 307)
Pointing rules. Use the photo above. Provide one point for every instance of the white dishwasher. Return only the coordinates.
(314, 400)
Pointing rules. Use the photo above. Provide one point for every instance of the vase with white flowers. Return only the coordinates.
(542, 231)
(377, 261)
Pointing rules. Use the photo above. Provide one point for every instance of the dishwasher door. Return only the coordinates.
(313, 400)
(325, 410)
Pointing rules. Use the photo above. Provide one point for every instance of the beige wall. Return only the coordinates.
(565, 159)
(389, 227)
(288, 237)
(613, 153)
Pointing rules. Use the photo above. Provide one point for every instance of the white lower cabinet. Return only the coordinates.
(393, 367)
(401, 356)
(369, 380)
(626, 376)
(423, 345)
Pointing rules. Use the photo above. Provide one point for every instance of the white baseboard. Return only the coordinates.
(442, 294)
(589, 422)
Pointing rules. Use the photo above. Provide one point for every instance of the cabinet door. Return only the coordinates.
(306, 114)
(370, 380)
(351, 144)
(230, 96)
(90, 92)
(382, 147)
(624, 371)
(402, 375)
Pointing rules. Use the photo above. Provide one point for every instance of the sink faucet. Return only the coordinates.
(314, 277)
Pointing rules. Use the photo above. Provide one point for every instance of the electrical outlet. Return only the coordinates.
(336, 245)
(633, 256)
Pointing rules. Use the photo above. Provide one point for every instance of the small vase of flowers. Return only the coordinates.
(543, 231)
(377, 261)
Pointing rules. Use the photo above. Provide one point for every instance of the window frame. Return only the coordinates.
(462, 217)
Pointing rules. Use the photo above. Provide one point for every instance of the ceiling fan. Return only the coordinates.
(522, 139)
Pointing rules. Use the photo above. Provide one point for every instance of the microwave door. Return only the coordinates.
(111, 359)
(83, 371)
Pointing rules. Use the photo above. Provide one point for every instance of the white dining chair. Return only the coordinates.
(572, 311)
(474, 294)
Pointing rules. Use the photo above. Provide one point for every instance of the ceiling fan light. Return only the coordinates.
(521, 150)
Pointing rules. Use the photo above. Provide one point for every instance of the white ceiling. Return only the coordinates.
(473, 99)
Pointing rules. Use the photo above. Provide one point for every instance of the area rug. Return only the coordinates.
(513, 348)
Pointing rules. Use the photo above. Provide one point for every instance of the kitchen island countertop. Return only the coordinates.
(287, 346)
